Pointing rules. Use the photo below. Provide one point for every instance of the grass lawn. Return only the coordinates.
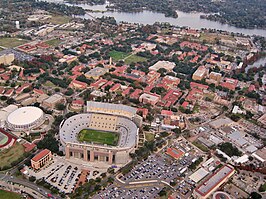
(49, 84)
(53, 42)
(12, 42)
(262, 187)
(210, 37)
(100, 137)
(60, 19)
(149, 136)
(200, 146)
(10, 155)
(8, 195)
(134, 59)
(117, 55)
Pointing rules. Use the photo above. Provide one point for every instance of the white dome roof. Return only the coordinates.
(25, 115)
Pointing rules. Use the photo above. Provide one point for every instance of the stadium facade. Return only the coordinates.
(106, 117)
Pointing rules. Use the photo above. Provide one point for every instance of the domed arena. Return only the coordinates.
(25, 118)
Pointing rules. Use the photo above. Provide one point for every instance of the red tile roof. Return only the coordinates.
(29, 146)
(136, 94)
(40, 155)
(166, 112)
(126, 92)
(115, 87)
(185, 104)
(198, 86)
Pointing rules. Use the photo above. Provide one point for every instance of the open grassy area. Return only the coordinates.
(117, 55)
(134, 59)
(49, 84)
(11, 155)
(149, 136)
(200, 146)
(12, 42)
(9, 195)
(210, 37)
(99, 137)
(53, 42)
(60, 19)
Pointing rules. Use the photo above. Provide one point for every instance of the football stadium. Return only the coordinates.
(105, 133)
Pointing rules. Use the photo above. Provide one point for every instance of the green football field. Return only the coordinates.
(99, 137)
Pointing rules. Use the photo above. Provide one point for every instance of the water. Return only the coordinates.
(258, 63)
(192, 20)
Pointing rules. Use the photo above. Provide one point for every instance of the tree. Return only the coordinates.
(162, 192)
(150, 118)
(49, 142)
(26, 90)
(255, 195)
(60, 106)
(110, 180)
(32, 178)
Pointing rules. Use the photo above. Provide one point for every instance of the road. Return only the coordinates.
(26, 184)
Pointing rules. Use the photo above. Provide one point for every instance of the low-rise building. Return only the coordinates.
(200, 73)
(41, 159)
(169, 66)
(149, 99)
(208, 186)
(96, 72)
(51, 101)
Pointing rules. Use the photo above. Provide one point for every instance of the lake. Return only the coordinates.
(192, 20)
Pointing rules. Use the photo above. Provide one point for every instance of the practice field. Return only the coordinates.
(127, 57)
(10, 155)
(12, 42)
(8, 195)
(3, 138)
(134, 59)
(53, 42)
(99, 137)
(117, 55)
(59, 19)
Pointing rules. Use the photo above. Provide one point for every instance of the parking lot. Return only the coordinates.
(61, 174)
(150, 176)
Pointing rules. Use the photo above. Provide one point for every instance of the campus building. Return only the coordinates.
(41, 159)
(51, 101)
(212, 183)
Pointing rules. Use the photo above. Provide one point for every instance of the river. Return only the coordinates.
(192, 20)
(258, 63)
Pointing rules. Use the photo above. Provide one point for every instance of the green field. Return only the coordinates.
(10, 155)
(117, 55)
(99, 137)
(12, 42)
(200, 146)
(127, 57)
(8, 195)
(149, 137)
(49, 84)
(134, 59)
(60, 19)
(53, 42)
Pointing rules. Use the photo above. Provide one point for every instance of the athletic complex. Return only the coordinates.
(105, 133)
